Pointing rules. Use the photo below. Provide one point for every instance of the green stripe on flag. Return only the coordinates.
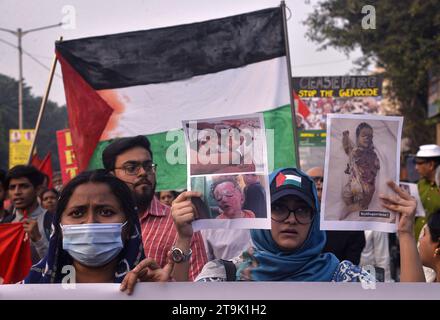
(280, 120)
(172, 176)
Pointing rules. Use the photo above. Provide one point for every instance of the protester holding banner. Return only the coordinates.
(23, 184)
(96, 237)
(291, 250)
(131, 160)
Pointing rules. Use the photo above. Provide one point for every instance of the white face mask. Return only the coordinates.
(93, 244)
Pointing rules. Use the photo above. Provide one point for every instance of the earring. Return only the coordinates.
(437, 252)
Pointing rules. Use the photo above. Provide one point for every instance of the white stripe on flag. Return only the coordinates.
(293, 177)
(161, 107)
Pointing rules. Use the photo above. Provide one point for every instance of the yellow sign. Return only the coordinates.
(20, 143)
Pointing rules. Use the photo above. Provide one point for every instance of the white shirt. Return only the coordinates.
(376, 252)
(225, 243)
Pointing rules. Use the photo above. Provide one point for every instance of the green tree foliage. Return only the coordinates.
(405, 42)
(54, 118)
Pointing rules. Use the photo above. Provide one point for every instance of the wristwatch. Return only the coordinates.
(178, 256)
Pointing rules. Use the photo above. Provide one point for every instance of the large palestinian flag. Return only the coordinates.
(147, 82)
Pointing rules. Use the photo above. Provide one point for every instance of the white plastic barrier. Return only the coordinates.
(225, 291)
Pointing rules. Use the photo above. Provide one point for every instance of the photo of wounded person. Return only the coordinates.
(362, 168)
(362, 155)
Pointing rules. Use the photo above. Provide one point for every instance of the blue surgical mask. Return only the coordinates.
(93, 244)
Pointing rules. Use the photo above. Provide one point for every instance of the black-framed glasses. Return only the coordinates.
(281, 212)
(132, 168)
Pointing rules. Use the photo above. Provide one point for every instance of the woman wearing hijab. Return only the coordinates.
(292, 249)
(96, 230)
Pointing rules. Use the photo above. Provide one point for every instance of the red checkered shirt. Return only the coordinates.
(159, 235)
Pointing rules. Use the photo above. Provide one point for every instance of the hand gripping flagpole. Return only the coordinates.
(43, 105)
(289, 75)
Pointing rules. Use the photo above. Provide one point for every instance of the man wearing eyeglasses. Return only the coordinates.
(131, 160)
(428, 167)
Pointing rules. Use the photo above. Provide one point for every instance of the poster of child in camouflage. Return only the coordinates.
(362, 154)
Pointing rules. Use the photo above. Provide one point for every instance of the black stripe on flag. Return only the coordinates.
(176, 53)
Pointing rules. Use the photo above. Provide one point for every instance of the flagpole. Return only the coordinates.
(289, 75)
(43, 105)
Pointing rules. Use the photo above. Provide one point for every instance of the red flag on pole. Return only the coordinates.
(303, 109)
(36, 161)
(46, 168)
(15, 253)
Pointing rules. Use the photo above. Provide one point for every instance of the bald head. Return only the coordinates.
(317, 174)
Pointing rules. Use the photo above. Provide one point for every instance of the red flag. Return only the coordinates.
(303, 109)
(46, 168)
(15, 253)
(36, 161)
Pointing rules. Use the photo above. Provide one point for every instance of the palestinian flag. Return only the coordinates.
(147, 82)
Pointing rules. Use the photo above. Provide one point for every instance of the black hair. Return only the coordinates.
(174, 193)
(120, 145)
(434, 226)
(220, 181)
(35, 176)
(53, 190)
(118, 188)
(436, 160)
(3, 178)
(361, 126)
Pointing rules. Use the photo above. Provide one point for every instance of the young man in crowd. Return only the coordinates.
(131, 160)
(23, 184)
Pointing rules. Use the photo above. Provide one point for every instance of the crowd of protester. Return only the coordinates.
(111, 225)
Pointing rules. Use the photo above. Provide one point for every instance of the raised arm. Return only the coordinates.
(405, 206)
(184, 214)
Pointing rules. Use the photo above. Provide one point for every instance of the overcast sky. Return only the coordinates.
(99, 17)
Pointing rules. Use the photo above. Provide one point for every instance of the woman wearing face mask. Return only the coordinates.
(96, 230)
(292, 249)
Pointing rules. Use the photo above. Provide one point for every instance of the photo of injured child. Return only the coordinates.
(220, 146)
(223, 202)
(362, 154)
(362, 168)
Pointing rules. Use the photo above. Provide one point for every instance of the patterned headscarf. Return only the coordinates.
(267, 262)
(50, 268)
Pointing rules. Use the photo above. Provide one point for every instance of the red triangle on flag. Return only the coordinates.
(86, 126)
